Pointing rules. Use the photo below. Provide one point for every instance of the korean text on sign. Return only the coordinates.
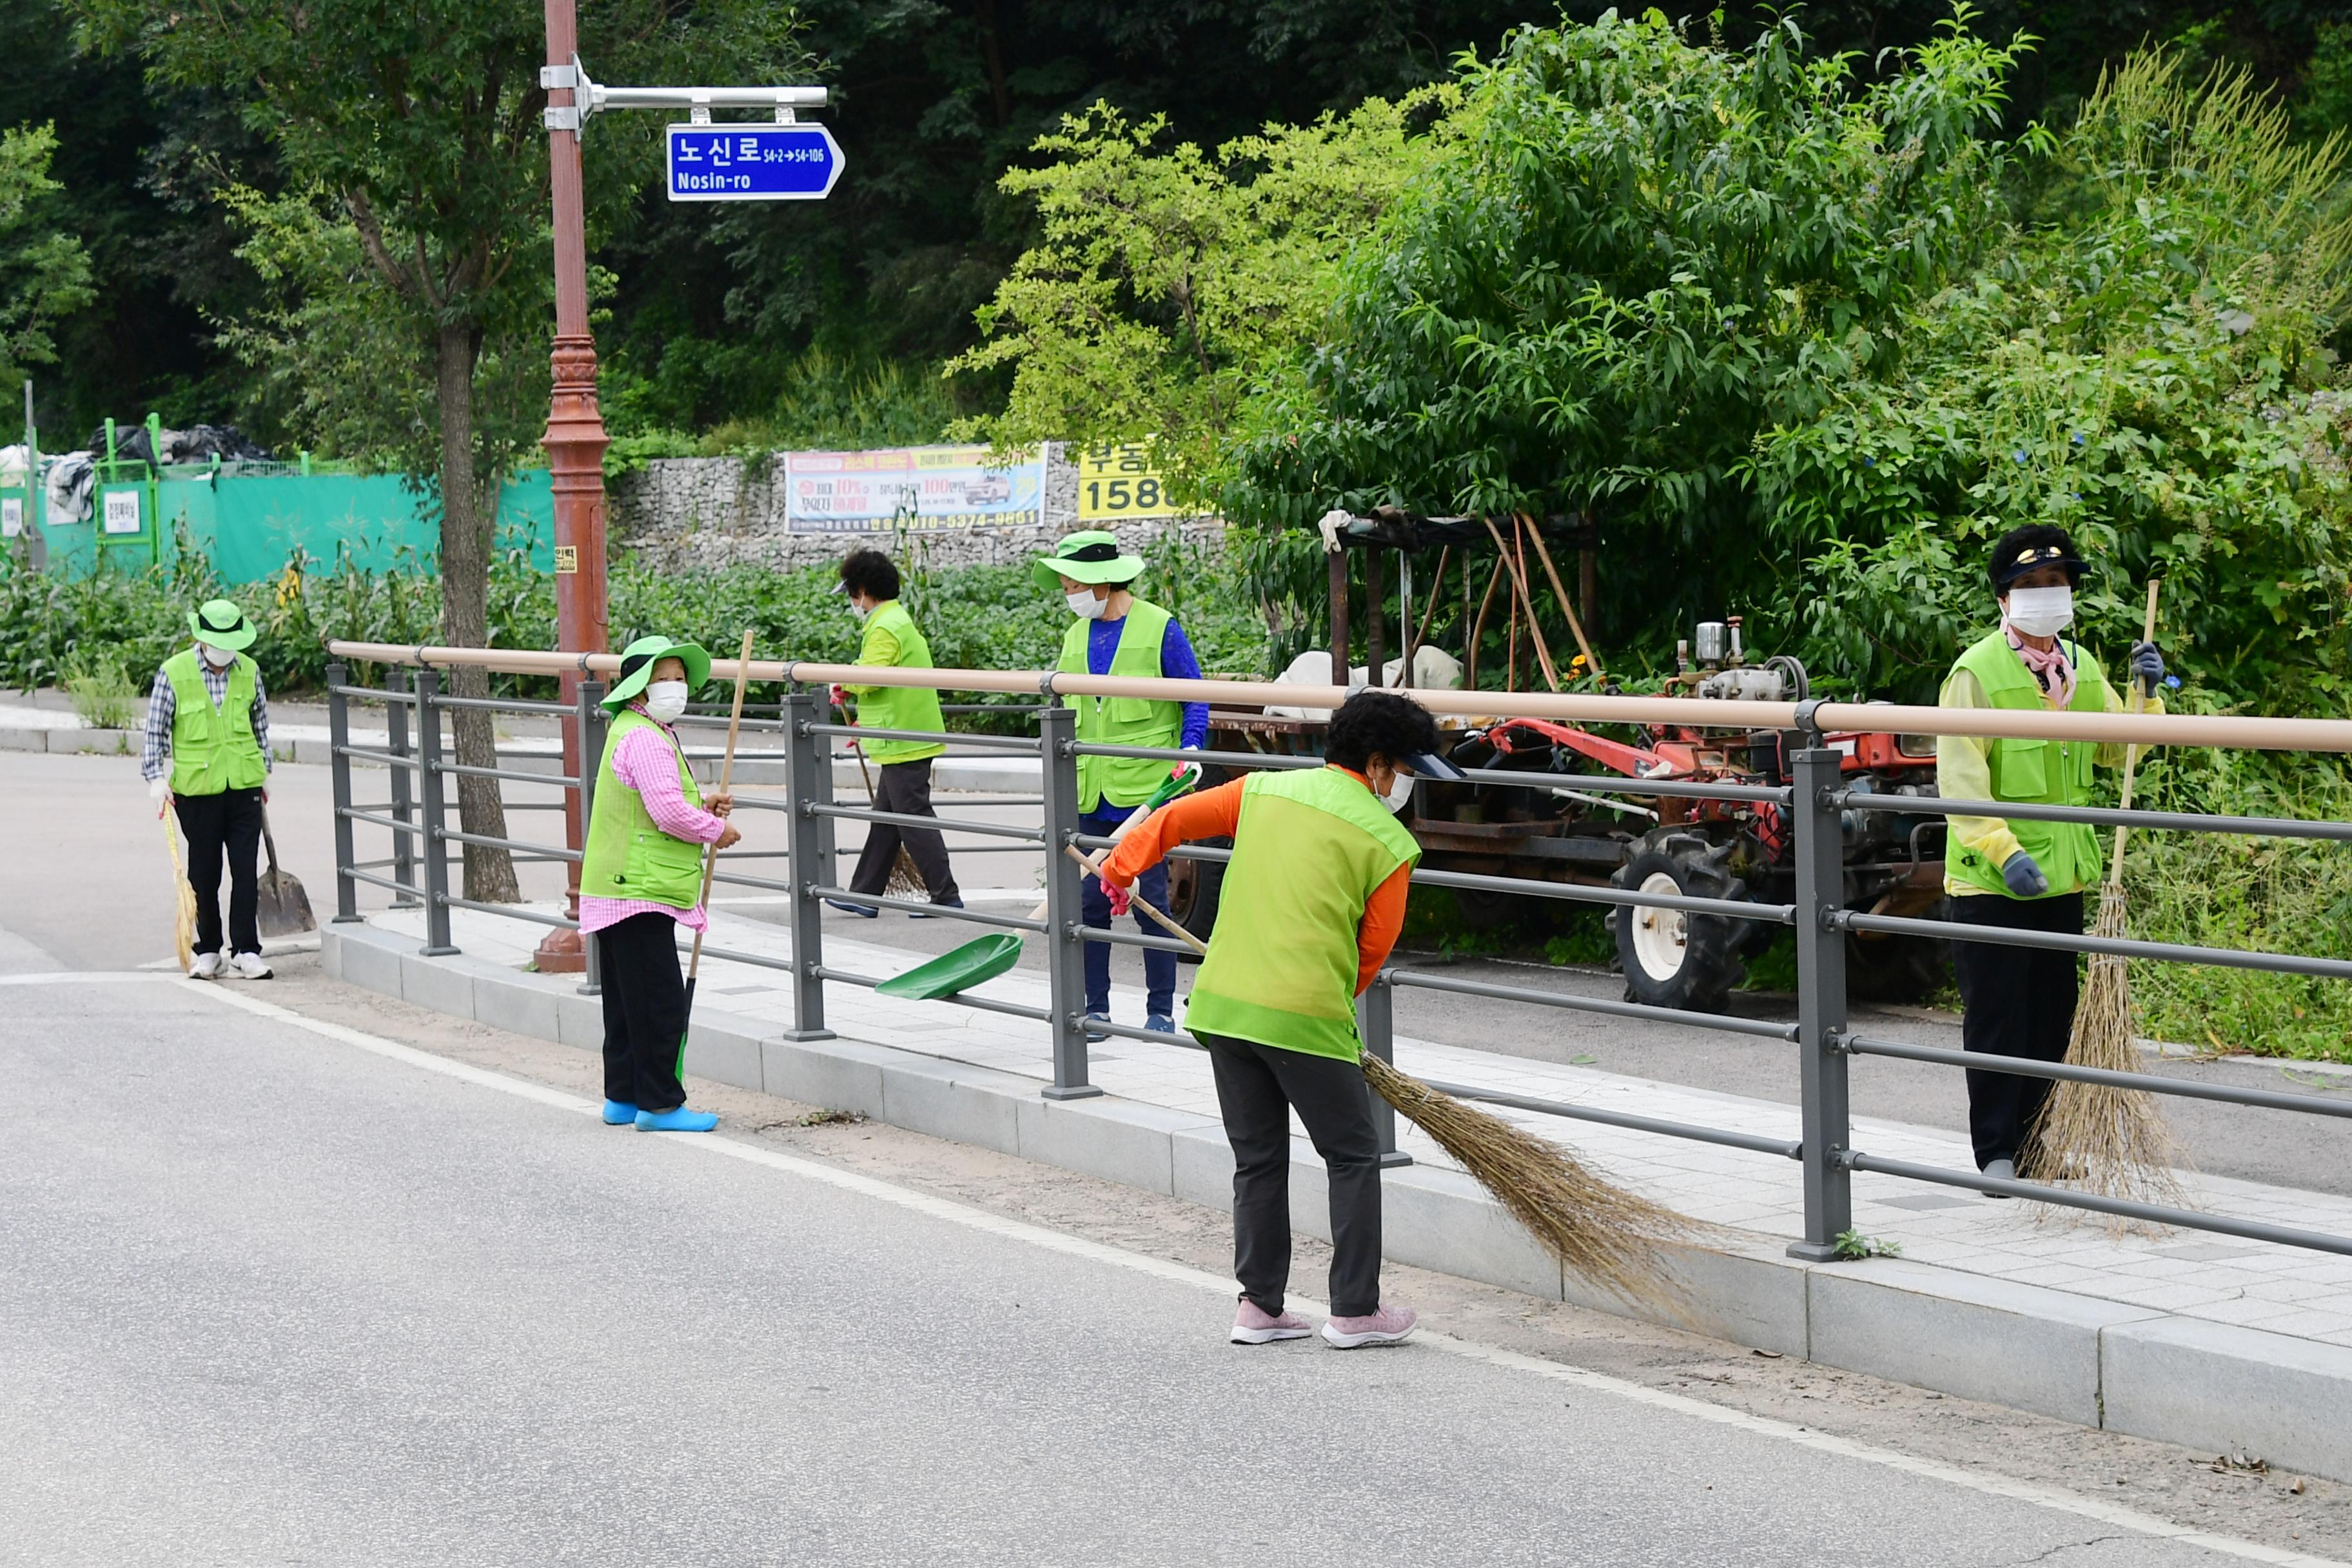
(1120, 481)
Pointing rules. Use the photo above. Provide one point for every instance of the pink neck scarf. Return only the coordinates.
(2050, 668)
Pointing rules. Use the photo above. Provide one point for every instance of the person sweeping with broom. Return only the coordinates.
(207, 760)
(869, 580)
(641, 878)
(1314, 899)
(2012, 872)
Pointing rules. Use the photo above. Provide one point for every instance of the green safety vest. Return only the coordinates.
(1123, 721)
(2038, 772)
(626, 856)
(213, 749)
(900, 707)
(1310, 850)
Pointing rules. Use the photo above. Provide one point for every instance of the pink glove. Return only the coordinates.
(839, 698)
(1122, 901)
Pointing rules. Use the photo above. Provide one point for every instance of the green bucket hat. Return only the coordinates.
(1090, 557)
(220, 623)
(637, 661)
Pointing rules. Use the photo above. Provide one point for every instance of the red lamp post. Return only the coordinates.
(575, 443)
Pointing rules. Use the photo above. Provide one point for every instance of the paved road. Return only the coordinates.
(274, 1297)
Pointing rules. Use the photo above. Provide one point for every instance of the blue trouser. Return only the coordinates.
(1094, 904)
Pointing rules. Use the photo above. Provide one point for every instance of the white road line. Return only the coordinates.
(2032, 1492)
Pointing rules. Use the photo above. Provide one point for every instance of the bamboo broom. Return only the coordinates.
(1611, 1237)
(183, 922)
(2112, 1141)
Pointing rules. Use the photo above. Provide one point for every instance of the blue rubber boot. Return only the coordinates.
(619, 1113)
(679, 1120)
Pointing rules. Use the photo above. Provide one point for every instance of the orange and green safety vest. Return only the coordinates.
(1310, 848)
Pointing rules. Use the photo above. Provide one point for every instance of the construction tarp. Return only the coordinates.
(250, 525)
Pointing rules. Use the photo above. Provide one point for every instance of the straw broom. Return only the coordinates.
(2112, 1141)
(1612, 1238)
(905, 879)
(184, 925)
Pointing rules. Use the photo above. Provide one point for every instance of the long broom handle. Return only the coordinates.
(726, 779)
(2131, 752)
(1167, 921)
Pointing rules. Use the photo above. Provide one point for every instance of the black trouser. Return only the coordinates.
(905, 788)
(645, 1012)
(229, 821)
(1257, 1088)
(2016, 1002)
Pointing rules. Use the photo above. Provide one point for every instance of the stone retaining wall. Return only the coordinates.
(699, 513)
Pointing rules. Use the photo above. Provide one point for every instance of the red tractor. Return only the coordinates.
(1666, 843)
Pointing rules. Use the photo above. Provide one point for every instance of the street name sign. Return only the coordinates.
(752, 162)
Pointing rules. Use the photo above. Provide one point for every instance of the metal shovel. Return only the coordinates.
(284, 908)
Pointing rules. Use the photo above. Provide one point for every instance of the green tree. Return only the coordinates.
(1635, 253)
(44, 275)
(1165, 285)
(413, 236)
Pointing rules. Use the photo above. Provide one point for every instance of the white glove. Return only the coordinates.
(159, 789)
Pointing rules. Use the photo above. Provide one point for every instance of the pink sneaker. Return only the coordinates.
(1253, 1325)
(1388, 1326)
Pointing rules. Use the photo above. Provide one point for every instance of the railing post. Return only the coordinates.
(1821, 998)
(1376, 1020)
(436, 848)
(339, 739)
(395, 743)
(591, 756)
(808, 784)
(1066, 953)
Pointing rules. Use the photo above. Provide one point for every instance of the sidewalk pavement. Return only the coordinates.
(2186, 1334)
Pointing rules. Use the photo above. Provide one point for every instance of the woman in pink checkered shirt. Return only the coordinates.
(641, 878)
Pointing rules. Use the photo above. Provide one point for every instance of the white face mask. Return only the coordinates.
(218, 657)
(666, 699)
(1400, 795)
(1084, 605)
(860, 608)
(2040, 612)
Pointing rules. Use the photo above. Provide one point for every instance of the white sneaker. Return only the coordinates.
(248, 966)
(208, 966)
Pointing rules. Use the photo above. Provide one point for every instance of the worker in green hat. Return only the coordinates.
(641, 878)
(206, 756)
(1118, 633)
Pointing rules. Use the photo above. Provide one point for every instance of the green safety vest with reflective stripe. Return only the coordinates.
(1310, 850)
(900, 707)
(626, 856)
(1123, 721)
(214, 749)
(2038, 773)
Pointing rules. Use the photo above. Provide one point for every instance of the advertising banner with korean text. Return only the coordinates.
(1121, 483)
(919, 489)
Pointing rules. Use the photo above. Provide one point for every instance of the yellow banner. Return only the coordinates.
(1121, 483)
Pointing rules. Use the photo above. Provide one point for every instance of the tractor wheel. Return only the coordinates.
(1905, 969)
(1193, 887)
(1672, 959)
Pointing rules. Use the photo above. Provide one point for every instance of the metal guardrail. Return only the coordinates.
(1814, 801)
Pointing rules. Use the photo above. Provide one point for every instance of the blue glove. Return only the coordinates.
(2147, 667)
(2024, 876)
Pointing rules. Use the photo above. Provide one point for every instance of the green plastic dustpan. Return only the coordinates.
(958, 969)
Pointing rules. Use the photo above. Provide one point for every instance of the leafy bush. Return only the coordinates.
(102, 691)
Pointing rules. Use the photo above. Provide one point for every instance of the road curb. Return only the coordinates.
(2207, 1386)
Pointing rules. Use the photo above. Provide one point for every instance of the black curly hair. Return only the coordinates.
(870, 572)
(1378, 724)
